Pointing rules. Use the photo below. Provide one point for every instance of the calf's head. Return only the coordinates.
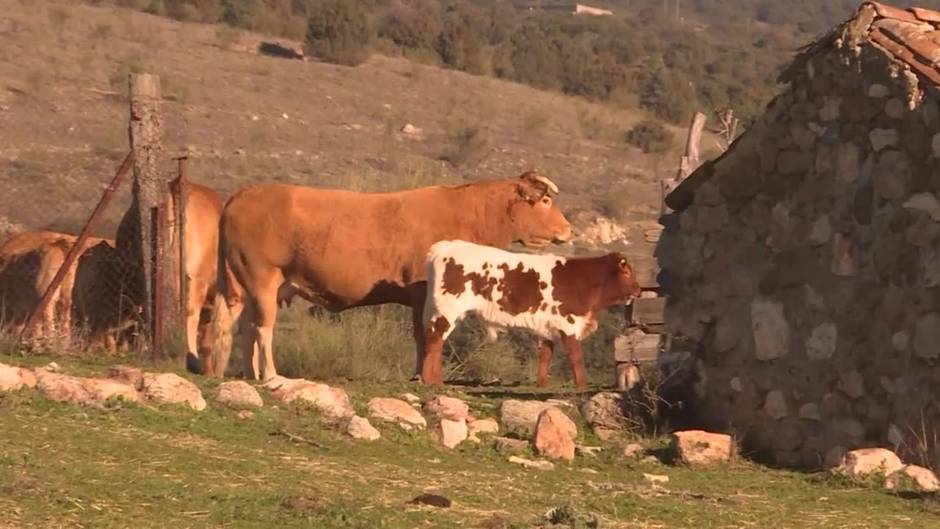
(534, 217)
(621, 284)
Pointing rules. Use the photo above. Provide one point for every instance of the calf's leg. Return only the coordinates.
(573, 348)
(545, 360)
(436, 331)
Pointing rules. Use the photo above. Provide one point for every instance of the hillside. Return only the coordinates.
(245, 117)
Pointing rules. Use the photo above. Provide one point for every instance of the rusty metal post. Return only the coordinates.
(76, 248)
(181, 235)
(158, 223)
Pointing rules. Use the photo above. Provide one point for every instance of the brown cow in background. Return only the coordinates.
(28, 262)
(344, 249)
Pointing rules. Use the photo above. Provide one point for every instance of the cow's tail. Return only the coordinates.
(222, 320)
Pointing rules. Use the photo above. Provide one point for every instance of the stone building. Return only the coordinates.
(804, 263)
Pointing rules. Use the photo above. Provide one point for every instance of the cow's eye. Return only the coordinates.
(546, 200)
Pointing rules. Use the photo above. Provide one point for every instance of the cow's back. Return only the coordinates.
(338, 241)
(28, 262)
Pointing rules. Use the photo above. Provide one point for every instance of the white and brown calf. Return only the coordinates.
(556, 297)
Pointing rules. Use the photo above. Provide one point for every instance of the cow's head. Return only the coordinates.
(535, 219)
(622, 285)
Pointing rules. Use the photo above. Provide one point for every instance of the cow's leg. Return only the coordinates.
(573, 348)
(436, 331)
(265, 317)
(226, 322)
(248, 343)
(195, 296)
(418, 295)
(546, 348)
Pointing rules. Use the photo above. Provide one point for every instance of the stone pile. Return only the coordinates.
(806, 264)
(867, 462)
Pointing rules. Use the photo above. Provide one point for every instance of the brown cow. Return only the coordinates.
(100, 301)
(344, 249)
(555, 297)
(203, 211)
(28, 262)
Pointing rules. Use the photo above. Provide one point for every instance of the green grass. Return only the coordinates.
(135, 466)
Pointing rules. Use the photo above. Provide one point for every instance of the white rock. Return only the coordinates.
(15, 378)
(700, 448)
(360, 428)
(866, 461)
(528, 463)
(397, 411)
(448, 408)
(590, 451)
(487, 426)
(736, 384)
(552, 438)
(655, 478)
(170, 388)
(332, 403)
(924, 479)
(520, 416)
(411, 398)
(633, 450)
(238, 394)
(451, 433)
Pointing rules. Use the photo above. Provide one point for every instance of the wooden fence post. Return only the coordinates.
(150, 187)
(689, 161)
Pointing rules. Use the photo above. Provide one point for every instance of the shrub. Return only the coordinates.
(339, 31)
(414, 28)
(649, 136)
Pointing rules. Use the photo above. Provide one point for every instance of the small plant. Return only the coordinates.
(467, 144)
(102, 31)
(535, 122)
(589, 124)
(227, 36)
(650, 137)
(58, 17)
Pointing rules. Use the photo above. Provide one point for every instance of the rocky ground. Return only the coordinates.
(90, 444)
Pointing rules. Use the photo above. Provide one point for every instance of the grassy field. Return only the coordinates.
(136, 466)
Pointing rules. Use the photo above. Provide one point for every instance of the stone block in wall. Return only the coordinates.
(895, 109)
(852, 384)
(794, 162)
(848, 162)
(821, 343)
(775, 405)
(927, 336)
(883, 138)
(930, 263)
(891, 174)
(708, 194)
(820, 231)
(922, 232)
(830, 110)
(770, 329)
(803, 137)
(844, 256)
(863, 204)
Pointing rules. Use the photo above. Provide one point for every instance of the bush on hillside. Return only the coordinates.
(339, 31)
(649, 136)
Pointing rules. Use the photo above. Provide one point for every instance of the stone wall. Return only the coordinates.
(806, 266)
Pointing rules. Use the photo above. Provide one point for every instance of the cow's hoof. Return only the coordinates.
(194, 364)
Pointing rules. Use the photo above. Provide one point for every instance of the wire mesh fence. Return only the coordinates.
(91, 299)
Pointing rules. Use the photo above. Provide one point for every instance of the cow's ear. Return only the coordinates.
(527, 192)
